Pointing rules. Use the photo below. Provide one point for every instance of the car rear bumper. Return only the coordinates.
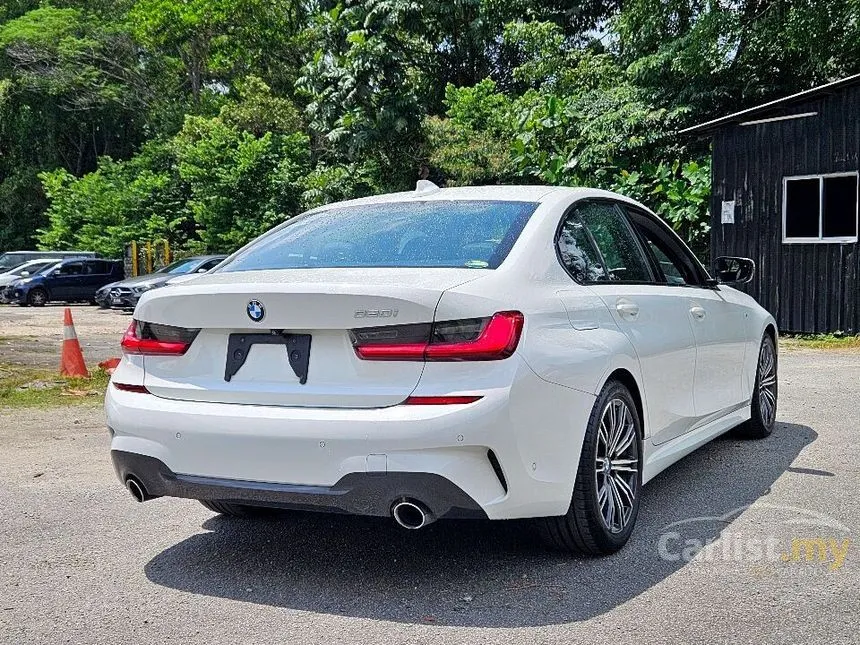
(369, 493)
(512, 454)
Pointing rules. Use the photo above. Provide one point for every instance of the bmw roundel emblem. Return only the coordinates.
(256, 311)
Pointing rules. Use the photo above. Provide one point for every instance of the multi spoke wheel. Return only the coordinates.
(767, 383)
(37, 297)
(763, 406)
(605, 500)
(617, 465)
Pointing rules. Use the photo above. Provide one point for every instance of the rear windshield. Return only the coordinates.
(470, 234)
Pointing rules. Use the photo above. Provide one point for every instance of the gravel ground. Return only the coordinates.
(33, 336)
(82, 563)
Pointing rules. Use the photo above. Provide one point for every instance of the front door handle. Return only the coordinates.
(626, 309)
(698, 312)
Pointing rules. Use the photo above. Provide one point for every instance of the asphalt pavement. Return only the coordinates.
(80, 562)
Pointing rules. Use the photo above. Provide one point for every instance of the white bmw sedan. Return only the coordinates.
(496, 352)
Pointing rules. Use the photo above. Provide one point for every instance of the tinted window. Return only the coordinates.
(208, 265)
(577, 253)
(472, 234)
(618, 247)
(95, 268)
(672, 270)
(76, 268)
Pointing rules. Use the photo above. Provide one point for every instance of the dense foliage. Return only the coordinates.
(205, 122)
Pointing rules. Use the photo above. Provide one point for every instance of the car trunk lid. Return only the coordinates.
(296, 307)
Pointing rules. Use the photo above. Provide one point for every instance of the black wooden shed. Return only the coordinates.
(785, 193)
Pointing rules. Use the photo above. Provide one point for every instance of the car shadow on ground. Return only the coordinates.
(468, 573)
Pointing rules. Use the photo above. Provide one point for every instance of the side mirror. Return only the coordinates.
(202, 270)
(731, 270)
(24, 274)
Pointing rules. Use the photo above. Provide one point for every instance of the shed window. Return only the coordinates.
(820, 208)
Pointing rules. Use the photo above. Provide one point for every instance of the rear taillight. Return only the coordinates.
(152, 339)
(473, 339)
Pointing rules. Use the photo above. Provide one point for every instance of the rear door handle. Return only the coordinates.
(698, 312)
(627, 309)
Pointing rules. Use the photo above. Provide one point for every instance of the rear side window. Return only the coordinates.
(97, 268)
(470, 234)
(596, 244)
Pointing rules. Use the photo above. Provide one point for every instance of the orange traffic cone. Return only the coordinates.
(72, 359)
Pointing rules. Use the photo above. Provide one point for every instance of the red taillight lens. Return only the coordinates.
(474, 339)
(152, 339)
(440, 400)
(497, 339)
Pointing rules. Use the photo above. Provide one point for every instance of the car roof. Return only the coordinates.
(522, 193)
(85, 259)
(47, 260)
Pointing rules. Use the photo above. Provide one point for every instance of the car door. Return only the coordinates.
(96, 274)
(719, 325)
(597, 238)
(64, 282)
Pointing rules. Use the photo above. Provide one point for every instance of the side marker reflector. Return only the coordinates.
(441, 400)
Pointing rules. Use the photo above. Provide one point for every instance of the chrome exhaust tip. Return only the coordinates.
(411, 514)
(136, 489)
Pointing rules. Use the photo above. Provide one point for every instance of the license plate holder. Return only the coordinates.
(298, 347)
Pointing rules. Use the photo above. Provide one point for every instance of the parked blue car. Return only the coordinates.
(67, 281)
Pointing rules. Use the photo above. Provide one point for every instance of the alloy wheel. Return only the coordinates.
(767, 384)
(617, 465)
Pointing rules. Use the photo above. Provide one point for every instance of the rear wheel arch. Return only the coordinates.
(627, 379)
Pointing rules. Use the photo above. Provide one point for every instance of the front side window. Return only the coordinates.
(820, 208)
(469, 234)
(596, 244)
(75, 268)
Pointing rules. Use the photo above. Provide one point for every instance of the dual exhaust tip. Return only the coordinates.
(411, 514)
(408, 513)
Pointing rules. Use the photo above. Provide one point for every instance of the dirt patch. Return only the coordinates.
(33, 336)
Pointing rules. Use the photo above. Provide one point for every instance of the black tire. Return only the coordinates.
(765, 394)
(37, 297)
(234, 510)
(585, 528)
